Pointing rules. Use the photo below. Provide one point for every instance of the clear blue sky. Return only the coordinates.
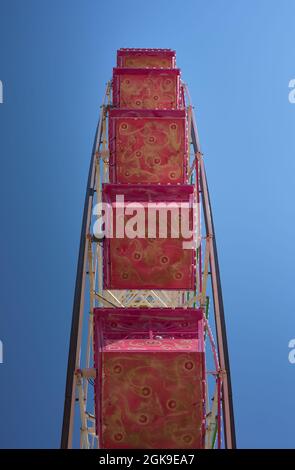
(238, 58)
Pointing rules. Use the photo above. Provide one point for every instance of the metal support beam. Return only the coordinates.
(77, 316)
(227, 400)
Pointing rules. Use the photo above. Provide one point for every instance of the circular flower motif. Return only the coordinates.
(188, 365)
(187, 438)
(178, 275)
(117, 369)
(142, 419)
(146, 391)
(171, 404)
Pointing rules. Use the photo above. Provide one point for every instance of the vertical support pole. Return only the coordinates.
(227, 401)
(78, 306)
(70, 393)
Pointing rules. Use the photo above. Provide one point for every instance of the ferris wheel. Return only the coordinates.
(148, 362)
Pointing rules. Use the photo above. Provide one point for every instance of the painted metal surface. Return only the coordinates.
(160, 261)
(146, 88)
(143, 58)
(149, 389)
(148, 146)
